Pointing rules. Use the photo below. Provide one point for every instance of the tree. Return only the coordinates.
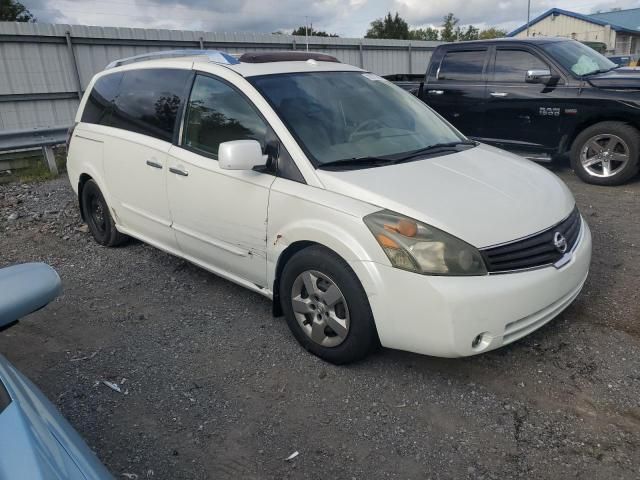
(389, 27)
(448, 32)
(302, 31)
(428, 33)
(14, 11)
(471, 33)
(492, 32)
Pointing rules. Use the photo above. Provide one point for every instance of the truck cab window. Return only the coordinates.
(512, 65)
(462, 65)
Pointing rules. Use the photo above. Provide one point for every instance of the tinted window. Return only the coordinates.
(100, 101)
(149, 101)
(512, 65)
(462, 65)
(217, 113)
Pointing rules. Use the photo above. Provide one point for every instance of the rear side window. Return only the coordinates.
(100, 101)
(217, 113)
(148, 101)
(462, 65)
(512, 65)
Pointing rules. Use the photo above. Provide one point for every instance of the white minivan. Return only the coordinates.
(365, 216)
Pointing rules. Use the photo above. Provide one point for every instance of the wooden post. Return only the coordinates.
(50, 159)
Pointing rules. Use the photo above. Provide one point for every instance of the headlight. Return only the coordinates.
(411, 245)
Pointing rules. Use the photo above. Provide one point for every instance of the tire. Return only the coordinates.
(606, 144)
(96, 213)
(356, 336)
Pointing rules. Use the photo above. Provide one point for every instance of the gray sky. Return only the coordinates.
(348, 18)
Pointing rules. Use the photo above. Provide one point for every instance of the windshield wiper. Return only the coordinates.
(356, 162)
(455, 146)
(602, 70)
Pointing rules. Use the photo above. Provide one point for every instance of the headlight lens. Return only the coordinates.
(411, 245)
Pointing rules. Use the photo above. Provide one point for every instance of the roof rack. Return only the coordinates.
(215, 56)
(286, 56)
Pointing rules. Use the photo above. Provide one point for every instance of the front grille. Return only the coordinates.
(535, 251)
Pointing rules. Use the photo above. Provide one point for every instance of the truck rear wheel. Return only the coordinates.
(607, 153)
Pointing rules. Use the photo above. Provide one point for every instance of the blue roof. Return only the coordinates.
(579, 16)
(625, 18)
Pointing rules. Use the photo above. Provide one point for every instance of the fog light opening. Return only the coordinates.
(481, 341)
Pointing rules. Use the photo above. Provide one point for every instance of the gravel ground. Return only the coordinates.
(214, 387)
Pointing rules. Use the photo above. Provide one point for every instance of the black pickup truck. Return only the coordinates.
(541, 98)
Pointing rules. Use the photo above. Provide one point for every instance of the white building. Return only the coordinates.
(618, 31)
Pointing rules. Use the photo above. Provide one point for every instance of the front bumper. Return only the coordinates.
(442, 316)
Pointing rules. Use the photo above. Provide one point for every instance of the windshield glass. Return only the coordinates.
(578, 58)
(352, 115)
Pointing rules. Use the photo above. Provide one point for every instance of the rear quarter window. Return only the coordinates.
(100, 102)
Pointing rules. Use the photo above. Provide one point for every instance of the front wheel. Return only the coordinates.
(607, 153)
(326, 307)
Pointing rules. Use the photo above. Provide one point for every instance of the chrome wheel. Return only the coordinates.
(320, 308)
(604, 155)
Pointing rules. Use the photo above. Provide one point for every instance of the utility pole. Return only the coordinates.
(528, 15)
(306, 31)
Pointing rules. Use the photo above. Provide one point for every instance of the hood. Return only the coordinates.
(36, 441)
(484, 196)
(620, 78)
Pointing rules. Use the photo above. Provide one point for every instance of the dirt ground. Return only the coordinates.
(213, 387)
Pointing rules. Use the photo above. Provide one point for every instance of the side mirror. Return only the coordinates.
(241, 155)
(539, 76)
(26, 288)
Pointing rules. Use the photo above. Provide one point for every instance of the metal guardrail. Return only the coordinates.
(45, 138)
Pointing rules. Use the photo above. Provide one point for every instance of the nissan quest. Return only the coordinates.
(363, 214)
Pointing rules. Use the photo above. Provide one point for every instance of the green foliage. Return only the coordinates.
(394, 27)
(492, 32)
(428, 33)
(302, 31)
(14, 11)
(448, 32)
(389, 27)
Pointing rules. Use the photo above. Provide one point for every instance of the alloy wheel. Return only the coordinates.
(604, 155)
(320, 308)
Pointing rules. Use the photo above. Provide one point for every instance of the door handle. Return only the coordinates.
(177, 171)
(499, 94)
(435, 92)
(154, 164)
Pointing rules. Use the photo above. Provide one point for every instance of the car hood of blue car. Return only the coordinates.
(36, 442)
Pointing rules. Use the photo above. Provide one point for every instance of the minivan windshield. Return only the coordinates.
(578, 58)
(354, 118)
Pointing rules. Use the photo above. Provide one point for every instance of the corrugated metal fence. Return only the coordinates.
(44, 69)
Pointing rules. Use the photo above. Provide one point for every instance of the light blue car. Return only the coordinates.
(36, 442)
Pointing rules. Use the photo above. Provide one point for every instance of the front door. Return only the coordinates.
(458, 91)
(525, 117)
(219, 216)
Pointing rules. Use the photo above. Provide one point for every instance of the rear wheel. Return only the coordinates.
(607, 153)
(96, 214)
(326, 307)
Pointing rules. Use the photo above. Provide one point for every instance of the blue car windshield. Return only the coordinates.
(352, 115)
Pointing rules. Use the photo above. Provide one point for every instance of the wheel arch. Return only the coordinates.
(82, 180)
(590, 122)
(339, 235)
